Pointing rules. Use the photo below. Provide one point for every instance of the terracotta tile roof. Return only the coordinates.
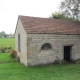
(47, 25)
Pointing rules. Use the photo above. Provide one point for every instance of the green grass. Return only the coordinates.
(7, 42)
(5, 58)
(16, 71)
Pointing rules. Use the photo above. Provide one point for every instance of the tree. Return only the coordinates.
(58, 15)
(0, 35)
(3, 34)
(71, 9)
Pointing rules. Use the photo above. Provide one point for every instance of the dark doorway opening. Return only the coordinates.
(67, 53)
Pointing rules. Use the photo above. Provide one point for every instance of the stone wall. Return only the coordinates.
(23, 42)
(36, 56)
(31, 53)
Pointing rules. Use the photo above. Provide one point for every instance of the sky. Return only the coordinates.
(11, 9)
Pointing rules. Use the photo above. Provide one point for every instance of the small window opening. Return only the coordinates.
(19, 45)
(46, 46)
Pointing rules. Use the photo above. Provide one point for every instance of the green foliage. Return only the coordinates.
(8, 48)
(58, 15)
(71, 9)
(2, 50)
(5, 49)
(3, 35)
(57, 61)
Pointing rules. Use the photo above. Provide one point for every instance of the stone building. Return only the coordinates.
(41, 40)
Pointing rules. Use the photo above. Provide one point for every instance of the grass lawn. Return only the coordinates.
(7, 42)
(12, 70)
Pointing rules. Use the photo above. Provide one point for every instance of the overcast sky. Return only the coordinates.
(10, 9)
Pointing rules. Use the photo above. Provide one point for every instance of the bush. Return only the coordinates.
(2, 50)
(5, 49)
(57, 61)
(8, 48)
(13, 54)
